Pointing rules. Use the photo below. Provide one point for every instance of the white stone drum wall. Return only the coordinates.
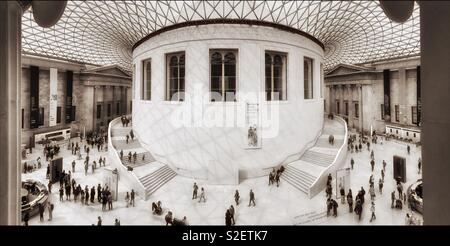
(189, 150)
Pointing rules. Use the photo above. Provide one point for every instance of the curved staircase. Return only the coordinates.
(305, 172)
(150, 173)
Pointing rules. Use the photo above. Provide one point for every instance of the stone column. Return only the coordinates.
(403, 105)
(94, 109)
(341, 99)
(10, 133)
(360, 118)
(435, 86)
(330, 98)
(350, 105)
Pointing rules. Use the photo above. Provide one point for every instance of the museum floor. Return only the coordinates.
(283, 205)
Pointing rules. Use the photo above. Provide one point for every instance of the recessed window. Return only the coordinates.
(99, 111)
(346, 108)
(382, 111)
(223, 75)
(276, 83)
(397, 113)
(41, 116)
(356, 110)
(58, 115)
(414, 114)
(407, 134)
(308, 77)
(414, 134)
(338, 107)
(117, 108)
(146, 85)
(23, 118)
(108, 110)
(175, 84)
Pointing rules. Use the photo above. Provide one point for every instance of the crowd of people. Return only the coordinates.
(398, 197)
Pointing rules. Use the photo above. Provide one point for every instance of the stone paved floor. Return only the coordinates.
(282, 205)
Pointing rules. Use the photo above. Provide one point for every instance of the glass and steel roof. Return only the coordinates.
(103, 32)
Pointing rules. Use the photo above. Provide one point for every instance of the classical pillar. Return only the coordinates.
(435, 86)
(350, 105)
(94, 109)
(360, 118)
(341, 99)
(329, 99)
(10, 133)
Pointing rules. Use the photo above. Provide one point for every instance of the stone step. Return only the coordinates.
(148, 159)
(148, 180)
(302, 173)
(300, 186)
(299, 178)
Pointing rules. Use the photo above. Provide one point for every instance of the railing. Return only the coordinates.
(320, 183)
(127, 177)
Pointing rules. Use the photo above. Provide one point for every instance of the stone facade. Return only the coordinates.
(362, 89)
(114, 86)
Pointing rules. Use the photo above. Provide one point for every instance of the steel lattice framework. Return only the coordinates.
(103, 33)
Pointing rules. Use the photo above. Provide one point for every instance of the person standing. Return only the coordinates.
(372, 192)
(392, 199)
(49, 187)
(73, 166)
(227, 218)
(233, 222)
(419, 165)
(352, 162)
(132, 198)
(372, 208)
(99, 193)
(350, 201)
(342, 191)
(41, 212)
(372, 163)
(380, 186)
(408, 148)
(50, 211)
(384, 166)
(127, 199)
(93, 194)
(99, 222)
(382, 175)
(117, 222)
(252, 198)
(236, 197)
(335, 206)
(61, 194)
(202, 195)
(194, 193)
(85, 167)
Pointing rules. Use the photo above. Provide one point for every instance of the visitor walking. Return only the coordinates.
(380, 186)
(202, 195)
(194, 193)
(236, 197)
(372, 208)
(252, 198)
(132, 197)
(50, 211)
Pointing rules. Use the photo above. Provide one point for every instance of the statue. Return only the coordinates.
(252, 136)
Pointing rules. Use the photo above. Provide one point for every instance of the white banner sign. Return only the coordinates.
(53, 96)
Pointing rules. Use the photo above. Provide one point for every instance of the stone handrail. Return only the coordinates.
(320, 183)
(128, 177)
